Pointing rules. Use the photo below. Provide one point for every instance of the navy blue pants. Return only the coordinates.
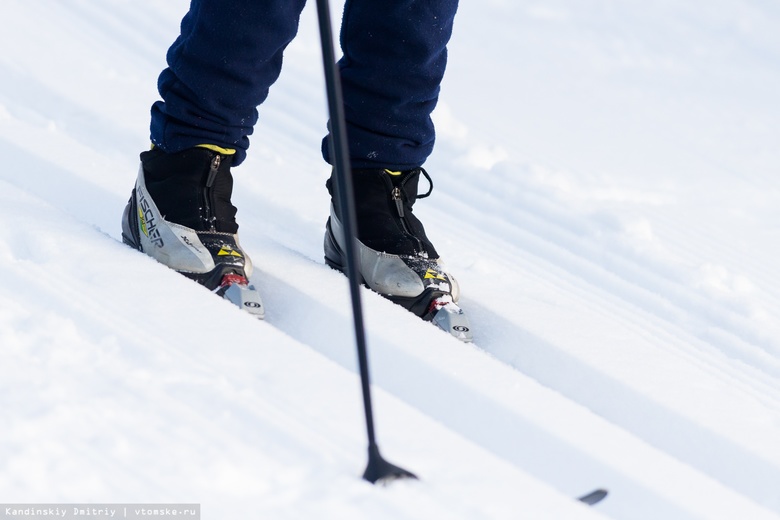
(230, 52)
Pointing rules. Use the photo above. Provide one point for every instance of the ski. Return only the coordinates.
(237, 290)
(594, 497)
(449, 317)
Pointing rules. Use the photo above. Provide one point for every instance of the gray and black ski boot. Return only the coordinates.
(180, 214)
(396, 258)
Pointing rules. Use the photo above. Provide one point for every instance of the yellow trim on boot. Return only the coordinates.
(212, 147)
(218, 149)
(430, 273)
(229, 251)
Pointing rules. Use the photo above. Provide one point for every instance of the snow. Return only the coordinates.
(606, 193)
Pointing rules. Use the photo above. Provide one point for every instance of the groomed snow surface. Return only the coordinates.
(607, 194)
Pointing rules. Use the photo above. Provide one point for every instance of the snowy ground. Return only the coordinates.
(606, 192)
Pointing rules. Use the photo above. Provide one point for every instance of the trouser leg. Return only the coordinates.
(219, 70)
(394, 60)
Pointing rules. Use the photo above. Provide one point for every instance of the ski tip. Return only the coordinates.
(594, 497)
(244, 296)
(451, 318)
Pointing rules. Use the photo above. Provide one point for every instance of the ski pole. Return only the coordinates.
(378, 469)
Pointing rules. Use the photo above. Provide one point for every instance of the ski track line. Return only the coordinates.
(632, 271)
(533, 364)
(77, 307)
(64, 97)
(727, 473)
(738, 262)
(702, 345)
(475, 413)
(654, 297)
(108, 319)
(705, 355)
(692, 443)
(571, 228)
(147, 31)
(693, 350)
(31, 126)
(473, 419)
(613, 304)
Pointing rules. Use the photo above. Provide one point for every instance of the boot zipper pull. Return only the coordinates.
(399, 203)
(207, 195)
(215, 162)
(399, 206)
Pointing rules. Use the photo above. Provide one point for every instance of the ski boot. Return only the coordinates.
(396, 259)
(180, 214)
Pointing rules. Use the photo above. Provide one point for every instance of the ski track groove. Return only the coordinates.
(671, 300)
(476, 411)
(586, 280)
(108, 317)
(437, 410)
(693, 351)
(682, 236)
(585, 291)
(658, 333)
(644, 319)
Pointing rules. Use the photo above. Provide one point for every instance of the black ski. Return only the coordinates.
(594, 497)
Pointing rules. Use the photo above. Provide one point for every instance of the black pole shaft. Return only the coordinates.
(378, 469)
(345, 191)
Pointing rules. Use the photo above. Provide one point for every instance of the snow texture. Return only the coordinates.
(607, 194)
